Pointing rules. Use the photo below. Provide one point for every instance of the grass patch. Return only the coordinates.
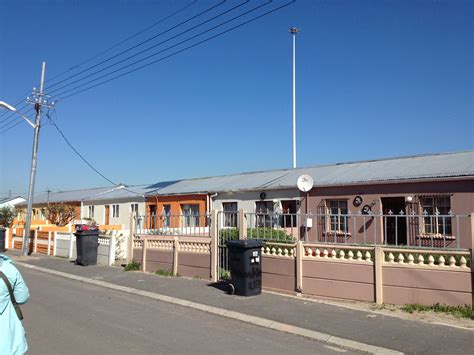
(457, 311)
(132, 266)
(224, 274)
(167, 273)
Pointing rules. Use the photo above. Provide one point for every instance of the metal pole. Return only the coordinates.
(294, 31)
(31, 189)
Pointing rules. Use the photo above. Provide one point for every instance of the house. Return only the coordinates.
(177, 204)
(11, 201)
(422, 200)
(114, 206)
(72, 198)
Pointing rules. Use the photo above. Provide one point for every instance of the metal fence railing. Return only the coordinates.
(183, 224)
(411, 230)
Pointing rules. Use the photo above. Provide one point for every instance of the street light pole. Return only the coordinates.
(294, 31)
(39, 101)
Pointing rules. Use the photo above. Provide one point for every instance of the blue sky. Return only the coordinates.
(375, 79)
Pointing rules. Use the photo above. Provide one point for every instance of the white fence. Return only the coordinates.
(112, 247)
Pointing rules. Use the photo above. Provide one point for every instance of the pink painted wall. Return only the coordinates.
(278, 274)
(461, 195)
(338, 280)
(408, 285)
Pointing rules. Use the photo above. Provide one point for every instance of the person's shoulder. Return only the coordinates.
(5, 260)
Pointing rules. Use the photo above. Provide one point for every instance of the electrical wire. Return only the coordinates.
(9, 128)
(137, 45)
(170, 55)
(154, 46)
(51, 121)
(5, 124)
(76, 151)
(20, 100)
(124, 40)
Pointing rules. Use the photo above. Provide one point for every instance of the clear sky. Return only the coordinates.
(375, 79)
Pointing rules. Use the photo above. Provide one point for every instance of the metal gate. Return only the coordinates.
(227, 229)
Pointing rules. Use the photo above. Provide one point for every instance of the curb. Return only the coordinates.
(258, 321)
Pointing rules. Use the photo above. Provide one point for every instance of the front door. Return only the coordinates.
(107, 215)
(394, 220)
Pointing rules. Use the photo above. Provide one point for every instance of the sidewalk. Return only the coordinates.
(384, 331)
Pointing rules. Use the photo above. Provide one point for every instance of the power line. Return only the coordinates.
(172, 54)
(133, 47)
(124, 40)
(20, 100)
(9, 128)
(154, 46)
(75, 150)
(82, 157)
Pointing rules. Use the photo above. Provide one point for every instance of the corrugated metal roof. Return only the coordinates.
(128, 192)
(70, 196)
(432, 166)
(384, 170)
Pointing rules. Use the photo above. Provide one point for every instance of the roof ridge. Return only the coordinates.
(327, 165)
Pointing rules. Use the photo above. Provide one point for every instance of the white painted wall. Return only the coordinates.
(246, 199)
(124, 210)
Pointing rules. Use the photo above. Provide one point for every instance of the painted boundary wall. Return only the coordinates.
(63, 244)
(180, 255)
(373, 274)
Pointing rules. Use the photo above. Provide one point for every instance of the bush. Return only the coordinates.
(265, 233)
(7, 215)
(132, 266)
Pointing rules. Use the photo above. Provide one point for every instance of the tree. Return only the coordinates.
(59, 214)
(7, 215)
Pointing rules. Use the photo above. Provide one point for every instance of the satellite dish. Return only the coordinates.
(305, 183)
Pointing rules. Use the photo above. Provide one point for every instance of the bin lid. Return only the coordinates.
(245, 243)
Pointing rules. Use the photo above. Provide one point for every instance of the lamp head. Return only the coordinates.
(7, 106)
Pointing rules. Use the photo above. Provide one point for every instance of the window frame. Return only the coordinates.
(230, 216)
(91, 211)
(435, 223)
(336, 220)
(116, 211)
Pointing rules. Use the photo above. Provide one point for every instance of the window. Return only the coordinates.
(337, 216)
(115, 211)
(91, 211)
(264, 213)
(436, 212)
(230, 214)
(289, 212)
(166, 215)
(134, 208)
(190, 216)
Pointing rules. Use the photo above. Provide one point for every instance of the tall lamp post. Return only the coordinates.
(38, 103)
(293, 32)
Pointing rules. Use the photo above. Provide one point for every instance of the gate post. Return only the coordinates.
(144, 254)
(175, 255)
(378, 264)
(214, 246)
(131, 235)
(35, 247)
(242, 225)
(299, 266)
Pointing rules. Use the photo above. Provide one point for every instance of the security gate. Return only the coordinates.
(227, 229)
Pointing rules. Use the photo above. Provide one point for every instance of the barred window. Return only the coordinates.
(230, 214)
(337, 219)
(436, 215)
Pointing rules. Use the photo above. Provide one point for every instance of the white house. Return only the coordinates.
(11, 201)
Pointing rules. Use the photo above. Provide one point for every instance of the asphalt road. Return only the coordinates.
(69, 317)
